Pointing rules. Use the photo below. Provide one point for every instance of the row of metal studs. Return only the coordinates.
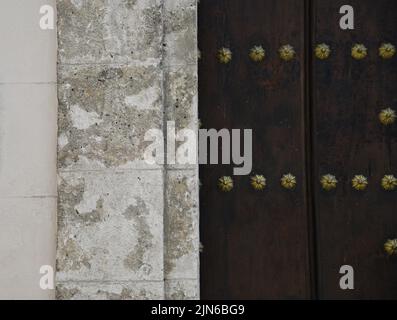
(328, 182)
(322, 51)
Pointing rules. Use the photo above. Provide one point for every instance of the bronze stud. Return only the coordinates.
(287, 52)
(225, 55)
(359, 51)
(360, 182)
(258, 182)
(288, 181)
(387, 116)
(257, 54)
(225, 184)
(328, 182)
(322, 51)
(387, 51)
(391, 247)
(389, 182)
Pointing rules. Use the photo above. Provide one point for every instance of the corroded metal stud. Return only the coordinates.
(287, 52)
(391, 247)
(322, 51)
(328, 182)
(258, 182)
(288, 181)
(360, 182)
(225, 184)
(387, 51)
(224, 55)
(389, 182)
(387, 116)
(359, 51)
(257, 54)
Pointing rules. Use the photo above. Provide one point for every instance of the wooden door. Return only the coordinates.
(309, 117)
(255, 243)
(349, 140)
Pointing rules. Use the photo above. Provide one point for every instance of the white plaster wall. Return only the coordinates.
(28, 140)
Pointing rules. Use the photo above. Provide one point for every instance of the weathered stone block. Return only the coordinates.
(180, 25)
(104, 113)
(181, 225)
(110, 291)
(110, 226)
(115, 59)
(108, 31)
(182, 290)
(180, 93)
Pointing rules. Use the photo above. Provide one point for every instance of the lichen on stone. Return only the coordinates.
(135, 260)
(179, 224)
(71, 257)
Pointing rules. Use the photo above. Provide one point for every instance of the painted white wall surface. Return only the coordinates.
(28, 134)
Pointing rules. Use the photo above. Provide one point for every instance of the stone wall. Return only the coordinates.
(126, 230)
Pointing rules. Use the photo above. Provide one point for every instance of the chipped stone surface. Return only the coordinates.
(108, 31)
(181, 96)
(104, 113)
(110, 291)
(180, 24)
(181, 225)
(182, 289)
(110, 226)
(181, 103)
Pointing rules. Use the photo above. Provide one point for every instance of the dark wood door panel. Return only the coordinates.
(255, 243)
(348, 139)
